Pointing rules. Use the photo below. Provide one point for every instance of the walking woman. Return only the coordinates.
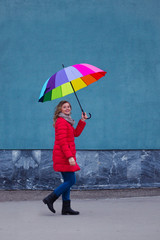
(64, 155)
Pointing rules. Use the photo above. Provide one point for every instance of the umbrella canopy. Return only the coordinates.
(69, 80)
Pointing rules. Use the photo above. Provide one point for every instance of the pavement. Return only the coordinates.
(134, 218)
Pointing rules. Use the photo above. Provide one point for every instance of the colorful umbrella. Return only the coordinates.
(69, 80)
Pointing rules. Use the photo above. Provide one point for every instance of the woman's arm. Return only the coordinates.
(81, 125)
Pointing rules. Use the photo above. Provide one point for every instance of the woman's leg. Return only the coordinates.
(72, 180)
(69, 179)
(64, 189)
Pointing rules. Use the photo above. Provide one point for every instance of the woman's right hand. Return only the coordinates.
(72, 162)
(84, 116)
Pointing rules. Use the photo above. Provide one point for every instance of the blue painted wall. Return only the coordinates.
(121, 37)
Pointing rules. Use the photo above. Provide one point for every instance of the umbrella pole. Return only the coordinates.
(78, 99)
(79, 102)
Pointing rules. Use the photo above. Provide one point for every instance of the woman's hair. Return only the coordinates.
(58, 109)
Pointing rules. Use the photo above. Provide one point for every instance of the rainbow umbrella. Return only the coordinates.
(69, 80)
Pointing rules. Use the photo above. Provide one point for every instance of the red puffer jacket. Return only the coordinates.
(64, 146)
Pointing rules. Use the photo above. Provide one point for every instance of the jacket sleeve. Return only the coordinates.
(79, 128)
(61, 136)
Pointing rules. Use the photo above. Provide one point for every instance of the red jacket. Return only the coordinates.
(64, 146)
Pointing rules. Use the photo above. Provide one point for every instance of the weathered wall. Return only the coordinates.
(119, 36)
(32, 169)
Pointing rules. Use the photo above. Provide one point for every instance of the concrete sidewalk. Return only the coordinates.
(112, 219)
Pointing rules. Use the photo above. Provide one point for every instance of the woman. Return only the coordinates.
(64, 155)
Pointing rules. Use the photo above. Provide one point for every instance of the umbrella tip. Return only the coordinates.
(63, 65)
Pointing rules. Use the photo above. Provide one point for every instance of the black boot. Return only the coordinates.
(67, 210)
(49, 200)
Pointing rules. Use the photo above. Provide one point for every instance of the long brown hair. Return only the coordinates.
(58, 109)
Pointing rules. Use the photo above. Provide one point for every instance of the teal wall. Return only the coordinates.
(121, 37)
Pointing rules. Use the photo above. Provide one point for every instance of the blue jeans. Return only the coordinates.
(64, 189)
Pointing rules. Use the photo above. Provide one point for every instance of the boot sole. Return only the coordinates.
(67, 213)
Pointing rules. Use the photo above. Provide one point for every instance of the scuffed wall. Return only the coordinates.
(32, 169)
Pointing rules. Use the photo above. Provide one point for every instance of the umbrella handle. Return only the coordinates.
(89, 115)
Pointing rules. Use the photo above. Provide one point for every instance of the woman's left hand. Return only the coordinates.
(84, 116)
(72, 162)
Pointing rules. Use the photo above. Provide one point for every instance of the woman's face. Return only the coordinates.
(66, 109)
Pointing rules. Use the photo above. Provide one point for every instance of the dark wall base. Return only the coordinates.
(33, 169)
